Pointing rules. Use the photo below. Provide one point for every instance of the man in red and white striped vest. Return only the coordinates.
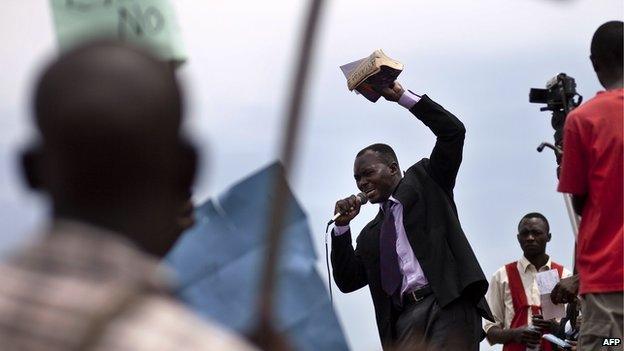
(513, 295)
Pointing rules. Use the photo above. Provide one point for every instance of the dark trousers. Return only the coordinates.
(426, 326)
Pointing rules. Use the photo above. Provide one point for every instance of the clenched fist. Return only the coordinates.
(349, 208)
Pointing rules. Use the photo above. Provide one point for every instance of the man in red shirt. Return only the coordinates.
(592, 171)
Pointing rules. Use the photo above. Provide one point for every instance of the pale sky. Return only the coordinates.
(476, 58)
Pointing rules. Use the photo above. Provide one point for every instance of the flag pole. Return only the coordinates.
(265, 335)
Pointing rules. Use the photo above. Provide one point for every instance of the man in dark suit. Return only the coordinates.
(425, 281)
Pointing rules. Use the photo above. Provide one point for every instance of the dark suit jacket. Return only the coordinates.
(432, 225)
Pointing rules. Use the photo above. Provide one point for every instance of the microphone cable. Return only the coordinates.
(329, 276)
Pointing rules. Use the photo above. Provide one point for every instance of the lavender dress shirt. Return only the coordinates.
(413, 275)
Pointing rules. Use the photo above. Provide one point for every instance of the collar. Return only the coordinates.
(611, 91)
(525, 264)
(391, 198)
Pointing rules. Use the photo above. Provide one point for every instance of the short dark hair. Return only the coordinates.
(386, 153)
(606, 44)
(534, 215)
(109, 123)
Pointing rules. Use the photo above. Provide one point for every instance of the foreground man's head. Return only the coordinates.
(110, 151)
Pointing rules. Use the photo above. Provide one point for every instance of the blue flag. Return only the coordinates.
(219, 264)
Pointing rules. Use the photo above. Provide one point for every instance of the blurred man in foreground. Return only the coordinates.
(117, 171)
(513, 295)
(592, 171)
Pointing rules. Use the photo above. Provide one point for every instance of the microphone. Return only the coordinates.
(363, 200)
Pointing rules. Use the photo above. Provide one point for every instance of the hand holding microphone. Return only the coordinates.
(347, 209)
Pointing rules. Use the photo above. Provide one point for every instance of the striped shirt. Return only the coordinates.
(81, 288)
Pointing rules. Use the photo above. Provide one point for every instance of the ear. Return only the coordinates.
(548, 237)
(32, 160)
(595, 63)
(394, 168)
(518, 237)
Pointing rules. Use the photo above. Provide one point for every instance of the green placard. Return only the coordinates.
(149, 23)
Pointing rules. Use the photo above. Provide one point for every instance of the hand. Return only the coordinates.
(391, 93)
(566, 290)
(544, 326)
(349, 208)
(526, 336)
(573, 343)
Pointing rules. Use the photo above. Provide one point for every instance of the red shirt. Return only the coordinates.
(592, 164)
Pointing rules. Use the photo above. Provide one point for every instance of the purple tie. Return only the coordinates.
(388, 260)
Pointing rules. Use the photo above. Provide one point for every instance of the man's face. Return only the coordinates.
(533, 236)
(374, 177)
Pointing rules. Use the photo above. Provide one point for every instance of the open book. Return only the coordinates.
(377, 70)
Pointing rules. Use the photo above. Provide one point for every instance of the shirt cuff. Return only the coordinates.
(489, 325)
(408, 99)
(340, 229)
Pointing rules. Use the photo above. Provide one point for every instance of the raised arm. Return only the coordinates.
(446, 156)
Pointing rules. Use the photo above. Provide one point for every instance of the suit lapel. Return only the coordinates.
(374, 229)
(377, 218)
(405, 193)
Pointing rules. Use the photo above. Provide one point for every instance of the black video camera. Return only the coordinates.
(560, 97)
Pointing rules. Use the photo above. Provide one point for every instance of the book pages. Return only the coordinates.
(546, 282)
(377, 71)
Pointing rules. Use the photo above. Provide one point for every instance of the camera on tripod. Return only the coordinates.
(560, 97)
